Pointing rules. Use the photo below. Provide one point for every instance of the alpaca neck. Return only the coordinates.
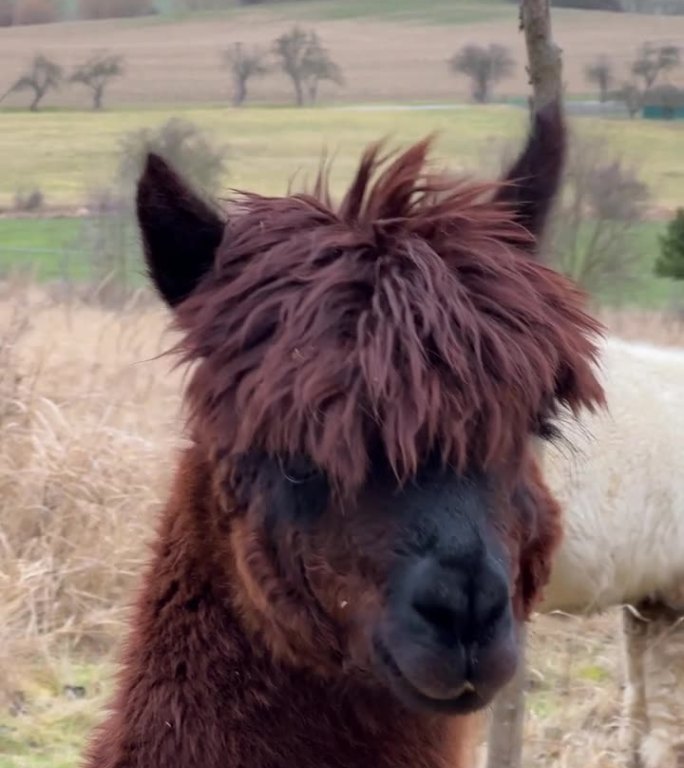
(197, 692)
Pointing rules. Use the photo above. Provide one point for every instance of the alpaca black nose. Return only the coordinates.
(459, 604)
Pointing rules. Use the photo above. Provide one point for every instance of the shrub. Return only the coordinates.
(602, 205)
(670, 261)
(183, 145)
(109, 234)
(28, 201)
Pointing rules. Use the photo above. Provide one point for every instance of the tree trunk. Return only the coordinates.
(481, 90)
(38, 95)
(543, 55)
(239, 92)
(545, 72)
(299, 91)
(97, 97)
(313, 90)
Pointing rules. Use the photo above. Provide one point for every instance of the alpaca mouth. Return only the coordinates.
(463, 701)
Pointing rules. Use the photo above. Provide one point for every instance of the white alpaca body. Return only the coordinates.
(621, 485)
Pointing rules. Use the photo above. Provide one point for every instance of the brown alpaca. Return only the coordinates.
(359, 526)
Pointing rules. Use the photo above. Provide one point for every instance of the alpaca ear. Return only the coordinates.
(180, 232)
(532, 182)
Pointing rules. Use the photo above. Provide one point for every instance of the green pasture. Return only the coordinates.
(55, 249)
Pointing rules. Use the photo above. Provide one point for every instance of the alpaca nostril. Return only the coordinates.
(438, 616)
(458, 606)
(444, 614)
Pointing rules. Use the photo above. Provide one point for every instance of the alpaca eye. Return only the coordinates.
(300, 470)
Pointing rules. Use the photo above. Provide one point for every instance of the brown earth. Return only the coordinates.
(180, 62)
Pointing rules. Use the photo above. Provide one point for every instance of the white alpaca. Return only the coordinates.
(619, 476)
(621, 485)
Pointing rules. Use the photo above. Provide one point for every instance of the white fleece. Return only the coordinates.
(619, 476)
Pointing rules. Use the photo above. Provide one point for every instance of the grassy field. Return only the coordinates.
(398, 53)
(74, 152)
(67, 153)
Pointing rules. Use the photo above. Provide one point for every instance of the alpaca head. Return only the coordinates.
(369, 379)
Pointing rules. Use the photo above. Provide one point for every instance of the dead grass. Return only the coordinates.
(383, 57)
(663, 328)
(88, 426)
(89, 423)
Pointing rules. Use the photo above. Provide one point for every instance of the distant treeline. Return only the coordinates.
(16, 12)
(669, 7)
(46, 11)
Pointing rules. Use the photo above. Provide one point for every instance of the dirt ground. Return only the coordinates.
(180, 62)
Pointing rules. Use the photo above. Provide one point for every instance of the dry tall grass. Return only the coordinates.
(89, 421)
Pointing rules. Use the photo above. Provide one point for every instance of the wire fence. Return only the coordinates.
(75, 272)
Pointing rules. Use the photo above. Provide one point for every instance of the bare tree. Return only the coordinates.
(653, 60)
(600, 73)
(97, 73)
(485, 66)
(183, 144)
(318, 66)
(43, 76)
(603, 204)
(244, 64)
(306, 62)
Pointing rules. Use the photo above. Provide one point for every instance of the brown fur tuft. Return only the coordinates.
(411, 315)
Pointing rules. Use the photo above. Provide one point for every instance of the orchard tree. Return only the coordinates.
(306, 62)
(600, 74)
(485, 66)
(43, 76)
(653, 60)
(244, 64)
(97, 73)
(319, 67)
